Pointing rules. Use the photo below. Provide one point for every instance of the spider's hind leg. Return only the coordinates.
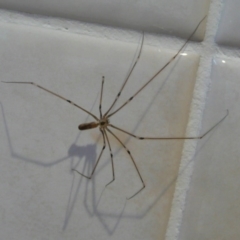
(99, 157)
(134, 163)
(111, 155)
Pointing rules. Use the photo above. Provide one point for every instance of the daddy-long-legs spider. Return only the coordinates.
(103, 122)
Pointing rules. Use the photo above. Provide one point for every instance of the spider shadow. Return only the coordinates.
(76, 154)
(197, 156)
(172, 180)
(89, 152)
(115, 152)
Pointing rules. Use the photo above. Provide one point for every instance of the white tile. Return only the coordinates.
(40, 142)
(212, 206)
(228, 32)
(177, 17)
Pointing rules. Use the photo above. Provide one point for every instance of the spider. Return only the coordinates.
(103, 121)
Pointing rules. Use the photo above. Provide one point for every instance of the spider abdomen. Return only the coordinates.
(86, 126)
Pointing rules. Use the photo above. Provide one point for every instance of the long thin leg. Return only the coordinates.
(157, 73)
(135, 165)
(94, 168)
(55, 94)
(171, 138)
(111, 155)
(128, 76)
(100, 104)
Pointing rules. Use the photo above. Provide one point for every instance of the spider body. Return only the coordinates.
(102, 123)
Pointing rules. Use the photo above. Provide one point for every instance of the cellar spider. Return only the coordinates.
(103, 121)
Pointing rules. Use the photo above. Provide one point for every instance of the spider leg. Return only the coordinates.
(57, 95)
(158, 72)
(171, 138)
(99, 157)
(111, 155)
(134, 163)
(100, 104)
(128, 76)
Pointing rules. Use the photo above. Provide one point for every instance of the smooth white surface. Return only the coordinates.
(40, 142)
(212, 206)
(175, 17)
(228, 32)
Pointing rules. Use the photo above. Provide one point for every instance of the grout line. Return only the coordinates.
(203, 82)
(124, 35)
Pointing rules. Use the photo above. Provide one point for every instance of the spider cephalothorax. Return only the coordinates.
(104, 122)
